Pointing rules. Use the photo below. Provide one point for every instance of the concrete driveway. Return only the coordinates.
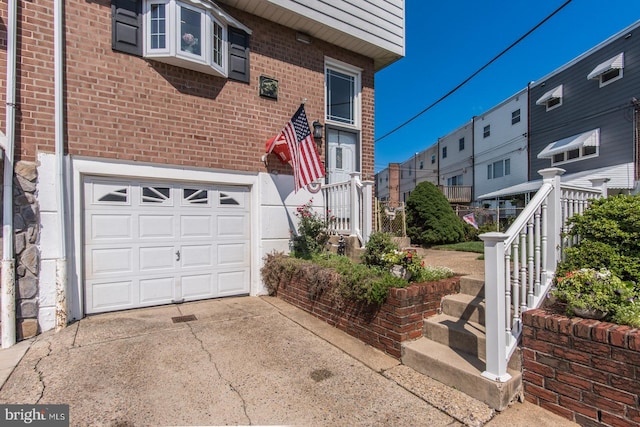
(242, 361)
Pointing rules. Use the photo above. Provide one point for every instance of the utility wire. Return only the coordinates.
(495, 58)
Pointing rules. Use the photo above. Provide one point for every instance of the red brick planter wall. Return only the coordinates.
(584, 370)
(384, 327)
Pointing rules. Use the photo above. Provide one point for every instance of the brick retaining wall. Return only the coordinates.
(585, 370)
(384, 327)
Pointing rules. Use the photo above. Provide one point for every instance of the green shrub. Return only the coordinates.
(378, 244)
(430, 218)
(339, 276)
(312, 233)
(609, 237)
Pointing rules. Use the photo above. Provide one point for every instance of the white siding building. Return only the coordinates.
(500, 148)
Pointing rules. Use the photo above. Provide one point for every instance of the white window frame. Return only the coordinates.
(506, 169)
(515, 118)
(581, 155)
(550, 101)
(356, 73)
(172, 52)
(607, 67)
(486, 131)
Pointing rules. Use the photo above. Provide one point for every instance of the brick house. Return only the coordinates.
(137, 131)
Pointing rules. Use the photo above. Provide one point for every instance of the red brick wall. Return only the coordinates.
(584, 370)
(386, 327)
(123, 107)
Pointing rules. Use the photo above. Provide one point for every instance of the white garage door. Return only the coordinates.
(152, 243)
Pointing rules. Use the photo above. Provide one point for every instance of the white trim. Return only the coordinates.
(610, 64)
(555, 93)
(81, 167)
(356, 72)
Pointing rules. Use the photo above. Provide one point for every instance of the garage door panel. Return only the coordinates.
(110, 227)
(231, 254)
(196, 226)
(233, 282)
(158, 290)
(156, 226)
(233, 226)
(111, 295)
(157, 258)
(197, 256)
(197, 286)
(110, 261)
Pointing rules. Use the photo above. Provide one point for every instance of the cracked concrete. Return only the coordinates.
(244, 361)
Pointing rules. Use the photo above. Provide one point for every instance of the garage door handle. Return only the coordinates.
(177, 255)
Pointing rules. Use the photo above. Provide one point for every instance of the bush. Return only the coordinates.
(378, 244)
(312, 232)
(609, 237)
(430, 218)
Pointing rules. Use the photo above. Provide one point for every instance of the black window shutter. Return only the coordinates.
(126, 23)
(238, 55)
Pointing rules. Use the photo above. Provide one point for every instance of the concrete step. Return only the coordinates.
(472, 286)
(456, 333)
(464, 306)
(461, 371)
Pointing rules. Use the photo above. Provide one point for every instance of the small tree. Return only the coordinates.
(430, 218)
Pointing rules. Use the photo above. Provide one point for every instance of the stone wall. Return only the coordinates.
(584, 370)
(384, 327)
(26, 220)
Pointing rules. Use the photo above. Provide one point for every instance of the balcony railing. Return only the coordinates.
(456, 193)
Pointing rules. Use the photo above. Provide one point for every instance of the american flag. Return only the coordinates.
(305, 159)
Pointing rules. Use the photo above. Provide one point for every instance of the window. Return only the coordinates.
(343, 88)
(433, 158)
(461, 144)
(609, 71)
(421, 164)
(572, 148)
(486, 131)
(454, 180)
(444, 152)
(551, 99)
(195, 35)
(515, 117)
(499, 169)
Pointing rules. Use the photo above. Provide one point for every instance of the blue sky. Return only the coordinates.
(448, 41)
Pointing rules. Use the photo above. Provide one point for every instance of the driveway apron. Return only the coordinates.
(241, 362)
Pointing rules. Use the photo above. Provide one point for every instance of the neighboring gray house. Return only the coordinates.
(407, 177)
(584, 114)
(427, 164)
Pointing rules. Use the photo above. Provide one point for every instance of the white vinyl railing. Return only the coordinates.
(520, 263)
(351, 204)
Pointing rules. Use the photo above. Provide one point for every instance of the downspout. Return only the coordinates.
(8, 291)
(61, 262)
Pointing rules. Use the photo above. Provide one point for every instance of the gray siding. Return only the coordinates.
(586, 106)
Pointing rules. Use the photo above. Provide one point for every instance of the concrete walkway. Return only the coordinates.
(244, 361)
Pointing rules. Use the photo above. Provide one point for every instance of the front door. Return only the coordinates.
(342, 155)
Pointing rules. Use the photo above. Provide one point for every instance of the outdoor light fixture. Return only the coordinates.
(317, 130)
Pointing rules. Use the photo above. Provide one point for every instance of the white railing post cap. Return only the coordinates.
(493, 237)
(551, 172)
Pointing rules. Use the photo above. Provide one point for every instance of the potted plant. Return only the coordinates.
(591, 293)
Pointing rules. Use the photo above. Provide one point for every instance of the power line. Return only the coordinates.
(465, 81)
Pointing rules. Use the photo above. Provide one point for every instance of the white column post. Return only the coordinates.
(367, 215)
(354, 213)
(553, 223)
(601, 184)
(495, 312)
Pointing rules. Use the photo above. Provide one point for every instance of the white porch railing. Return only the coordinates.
(520, 263)
(351, 203)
